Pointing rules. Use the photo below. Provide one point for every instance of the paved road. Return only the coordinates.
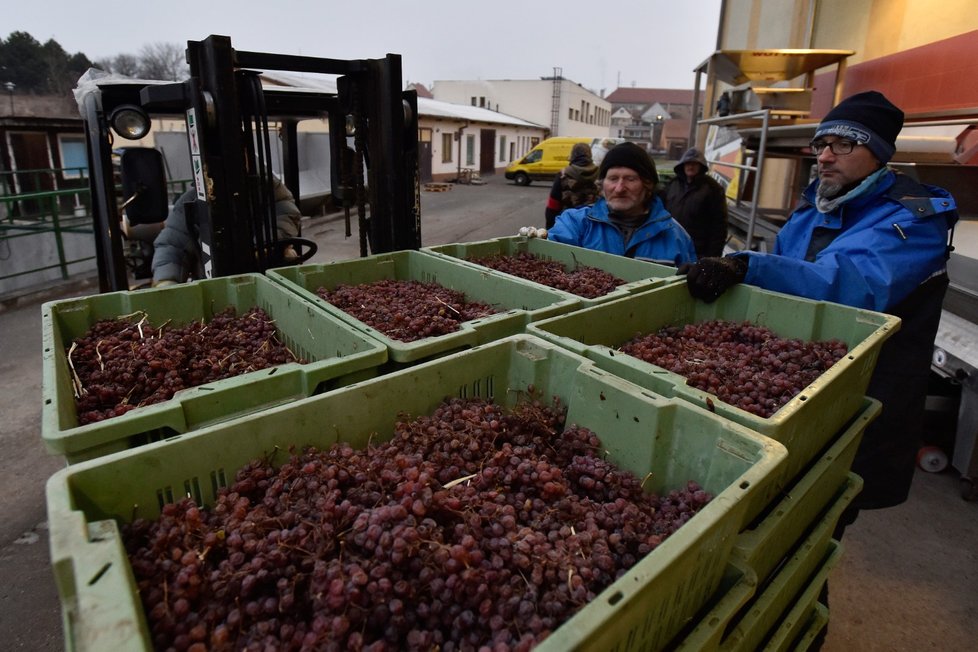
(29, 607)
(462, 214)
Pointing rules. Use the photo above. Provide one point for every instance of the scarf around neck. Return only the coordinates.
(829, 204)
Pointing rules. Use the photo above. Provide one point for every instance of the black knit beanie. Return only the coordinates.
(866, 118)
(629, 155)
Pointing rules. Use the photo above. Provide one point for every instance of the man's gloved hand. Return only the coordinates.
(708, 278)
(533, 232)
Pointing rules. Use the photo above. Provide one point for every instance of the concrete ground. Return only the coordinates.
(907, 581)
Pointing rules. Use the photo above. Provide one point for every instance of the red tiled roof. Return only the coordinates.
(652, 95)
(421, 90)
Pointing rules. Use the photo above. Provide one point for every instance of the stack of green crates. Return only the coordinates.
(638, 275)
(667, 440)
(519, 302)
(336, 353)
(783, 558)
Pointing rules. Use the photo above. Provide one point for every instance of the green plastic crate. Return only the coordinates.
(769, 609)
(807, 422)
(763, 544)
(705, 632)
(644, 433)
(638, 275)
(807, 617)
(338, 355)
(734, 623)
(813, 627)
(519, 301)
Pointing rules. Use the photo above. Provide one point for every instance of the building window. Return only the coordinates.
(74, 156)
(473, 100)
(502, 148)
(470, 149)
(512, 151)
(447, 145)
(570, 114)
(482, 102)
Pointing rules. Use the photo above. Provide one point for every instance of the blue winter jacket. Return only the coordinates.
(660, 238)
(887, 242)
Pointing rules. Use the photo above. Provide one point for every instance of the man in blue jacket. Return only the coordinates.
(867, 237)
(629, 219)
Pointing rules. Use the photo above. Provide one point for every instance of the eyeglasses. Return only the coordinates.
(838, 147)
(627, 179)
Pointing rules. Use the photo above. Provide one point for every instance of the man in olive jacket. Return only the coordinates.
(698, 203)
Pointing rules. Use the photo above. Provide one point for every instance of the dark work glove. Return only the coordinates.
(708, 278)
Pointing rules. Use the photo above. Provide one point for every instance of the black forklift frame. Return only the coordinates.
(227, 113)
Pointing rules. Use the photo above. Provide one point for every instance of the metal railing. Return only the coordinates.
(22, 182)
(47, 218)
(51, 214)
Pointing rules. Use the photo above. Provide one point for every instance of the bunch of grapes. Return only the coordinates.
(472, 528)
(124, 363)
(584, 281)
(743, 364)
(406, 310)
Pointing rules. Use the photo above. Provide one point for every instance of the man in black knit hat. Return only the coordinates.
(629, 218)
(868, 237)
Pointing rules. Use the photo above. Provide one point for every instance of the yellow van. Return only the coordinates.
(545, 161)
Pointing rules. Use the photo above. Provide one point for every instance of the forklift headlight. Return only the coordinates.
(129, 121)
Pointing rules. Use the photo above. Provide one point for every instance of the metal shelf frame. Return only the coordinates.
(758, 169)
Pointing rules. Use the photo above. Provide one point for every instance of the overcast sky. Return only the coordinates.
(601, 45)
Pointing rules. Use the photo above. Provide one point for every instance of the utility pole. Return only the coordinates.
(10, 89)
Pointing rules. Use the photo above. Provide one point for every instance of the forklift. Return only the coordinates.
(227, 112)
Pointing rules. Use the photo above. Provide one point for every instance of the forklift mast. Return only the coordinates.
(227, 114)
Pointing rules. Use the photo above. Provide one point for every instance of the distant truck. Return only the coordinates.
(547, 159)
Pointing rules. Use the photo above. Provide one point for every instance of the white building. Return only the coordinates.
(565, 107)
(453, 138)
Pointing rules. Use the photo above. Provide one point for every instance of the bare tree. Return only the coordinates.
(121, 64)
(163, 61)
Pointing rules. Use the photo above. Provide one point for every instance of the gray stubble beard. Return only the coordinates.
(828, 189)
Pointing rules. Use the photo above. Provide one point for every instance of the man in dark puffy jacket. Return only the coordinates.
(698, 202)
(176, 250)
(867, 237)
(576, 185)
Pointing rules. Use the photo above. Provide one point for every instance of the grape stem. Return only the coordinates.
(448, 306)
(159, 332)
(76, 382)
(449, 485)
